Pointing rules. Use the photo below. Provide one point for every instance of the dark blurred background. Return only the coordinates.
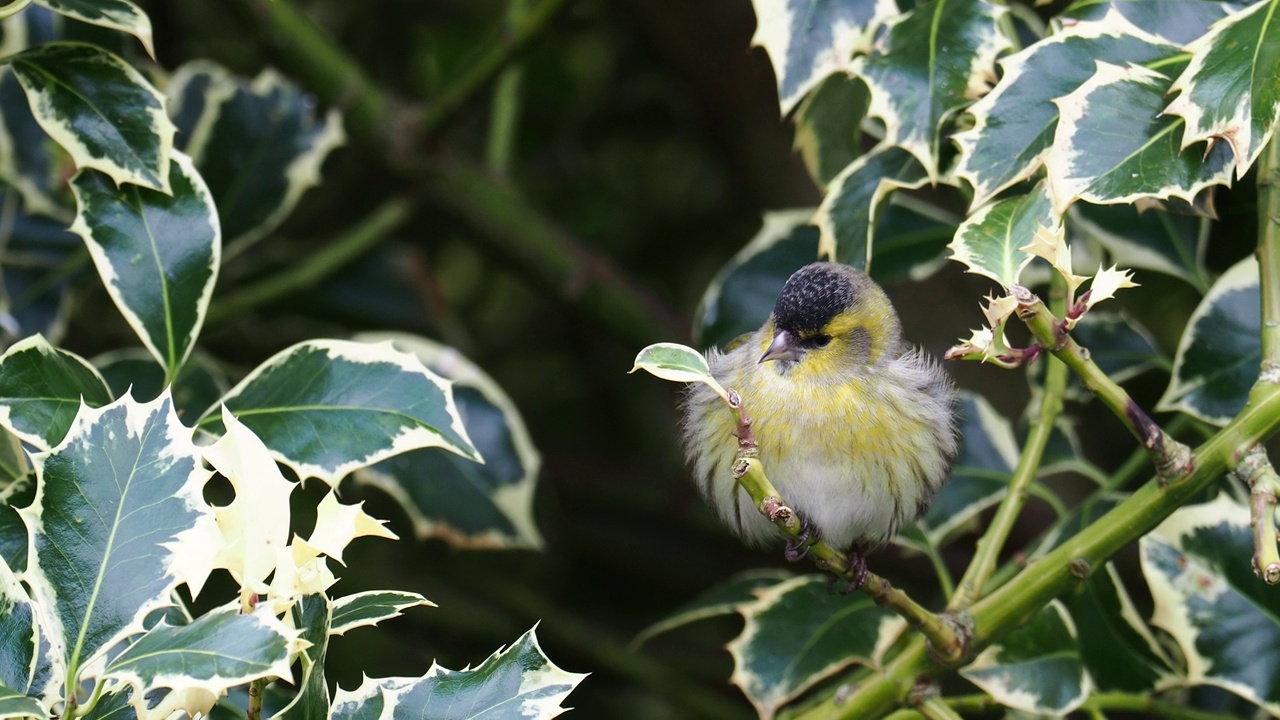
(645, 145)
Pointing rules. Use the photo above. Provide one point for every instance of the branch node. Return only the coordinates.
(961, 624)
(924, 690)
(1080, 568)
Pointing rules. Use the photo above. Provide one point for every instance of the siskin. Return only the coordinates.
(854, 425)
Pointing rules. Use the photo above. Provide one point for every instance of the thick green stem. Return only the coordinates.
(1256, 471)
(256, 689)
(1172, 459)
(1052, 575)
(993, 540)
(1269, 254)
(316, 266)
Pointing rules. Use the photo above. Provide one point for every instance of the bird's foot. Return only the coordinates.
(798, 545)
(858, 572)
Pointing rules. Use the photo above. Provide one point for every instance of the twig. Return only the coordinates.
(992, 541)
(1256, 471)
(1269, 254)
(947, 634)
(1172, 459)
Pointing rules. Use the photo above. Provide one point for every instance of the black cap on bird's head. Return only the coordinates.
(812, 298)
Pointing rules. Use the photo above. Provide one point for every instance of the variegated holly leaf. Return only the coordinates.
(1116, 144)
(932, 62)
(848, 213)
(519, 681)
(158, 254)
(338, 524)
(1118, 648)
(259, 145)
(1152, 240)
(1228, 92)
(829, 126)
(807, 42)
(369, 608)
(221, 649)
(16, 705)
(1036, 668)
(42, 388)
(328, 407)
(29, 160)
(35, 292)
(1014, 124)
(1218, 356)
(677, 363)
(1197, 565)
(115, 504)
(312, 616)
(990, 241)
(722, 599)
(119, 15)
(1179, 21)
(797, 634)
(487, 505)
(113, 706)
(981, 472)
(27, 666)
(100, 109)
(741, 296)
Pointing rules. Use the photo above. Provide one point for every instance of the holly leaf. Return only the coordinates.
(931, 62)
(100, 109)
(848, 213)
(1219, 354)
(1228, 92)
(807, 41)
(1036, 668)
(42, 389)
(990, 241)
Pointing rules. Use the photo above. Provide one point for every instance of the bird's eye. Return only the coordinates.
(821, 341)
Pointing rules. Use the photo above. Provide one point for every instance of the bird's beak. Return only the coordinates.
(782, 348)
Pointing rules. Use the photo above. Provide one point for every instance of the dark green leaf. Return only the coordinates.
(1014, 124)
(980, 474)
(158, 254)
(311, 615)
(259, 145)
(1036, 668)
(797, 633)
(1179, 21)
(328, 407)
(989, 241)
(828, 126)
(371, 607)
(25, 665)
(1151, 239)
(518, 682)
(848, 214)
(1218, 356)
(722, 599)
(1116, 644)
(112, 504)
(1223, 618)
(41, 390)
(100, 109)
(808, 41)
(926, 68)
(119, 15)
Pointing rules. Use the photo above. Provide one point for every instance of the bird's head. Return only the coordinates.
(832, 318)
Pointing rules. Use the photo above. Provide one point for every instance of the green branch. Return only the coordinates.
(1052, 575)
(1172, 459)
(1269, 254)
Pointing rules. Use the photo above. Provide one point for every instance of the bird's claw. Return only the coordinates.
(798, 546)
(858, 572)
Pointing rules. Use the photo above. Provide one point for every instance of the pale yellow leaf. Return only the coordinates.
(337, 525)
(1107, 282)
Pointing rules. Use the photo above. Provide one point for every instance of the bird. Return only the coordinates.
(856, 427)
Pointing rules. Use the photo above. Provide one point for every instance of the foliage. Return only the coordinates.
(118, 521)
(1100, 135)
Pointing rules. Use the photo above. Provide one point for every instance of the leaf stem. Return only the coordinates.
(947, 634)
(256, 690)
(314, 267)
(1172, 459)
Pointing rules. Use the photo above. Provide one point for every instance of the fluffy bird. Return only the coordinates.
(855, 426)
